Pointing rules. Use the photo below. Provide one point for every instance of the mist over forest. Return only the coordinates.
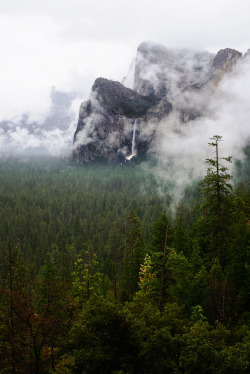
(104, 270)
(49, 126)
(124, 220)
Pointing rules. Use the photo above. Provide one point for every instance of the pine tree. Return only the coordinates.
(15, 312)
(215, 232)
(162, 237)
(133, 256)
(217, 189)
(50, 317)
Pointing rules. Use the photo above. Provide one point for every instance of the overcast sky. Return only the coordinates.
(69, 43)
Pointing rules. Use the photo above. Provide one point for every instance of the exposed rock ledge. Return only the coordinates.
(118, 123)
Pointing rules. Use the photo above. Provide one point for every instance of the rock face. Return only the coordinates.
(118, 123)
(115, 123)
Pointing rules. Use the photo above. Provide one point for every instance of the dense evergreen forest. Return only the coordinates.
(101, 271)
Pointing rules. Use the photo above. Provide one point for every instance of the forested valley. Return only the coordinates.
(101, 271)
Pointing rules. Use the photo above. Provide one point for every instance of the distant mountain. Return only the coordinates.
(58, 119)
(118, 123)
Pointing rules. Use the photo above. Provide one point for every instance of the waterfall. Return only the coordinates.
(133, 150)
(133, 140)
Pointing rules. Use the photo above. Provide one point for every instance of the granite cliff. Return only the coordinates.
(165, 88)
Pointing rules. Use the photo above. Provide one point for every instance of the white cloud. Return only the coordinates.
(69, 43)
(183, 149)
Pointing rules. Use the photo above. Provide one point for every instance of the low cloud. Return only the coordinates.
(183, 148)
(24, 137)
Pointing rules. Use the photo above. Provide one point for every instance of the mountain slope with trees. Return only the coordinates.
(98, 274)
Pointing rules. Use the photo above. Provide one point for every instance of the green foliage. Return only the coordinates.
(182, 239)
(217, 189)
(133, 257)
(96, 276)
(197, 314)
(101, 340)
(88, 280)
(198, 354)
(159, 229)
(178, 275)
(65, 365)
(147, 278)
(14, 312)
(158, 334)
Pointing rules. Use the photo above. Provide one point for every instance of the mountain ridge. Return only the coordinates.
(117, 118)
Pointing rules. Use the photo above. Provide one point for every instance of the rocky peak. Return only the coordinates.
(118, 123)
(118, 99)
(225, 59)
(166, 71)
(247, 54)
(113, 123)
(223, 63)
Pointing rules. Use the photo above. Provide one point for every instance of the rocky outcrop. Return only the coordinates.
(118, 123)
(224, 62)
(110, 118)
(168, 71)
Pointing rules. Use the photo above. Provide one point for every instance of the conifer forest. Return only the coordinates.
(103, 272)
